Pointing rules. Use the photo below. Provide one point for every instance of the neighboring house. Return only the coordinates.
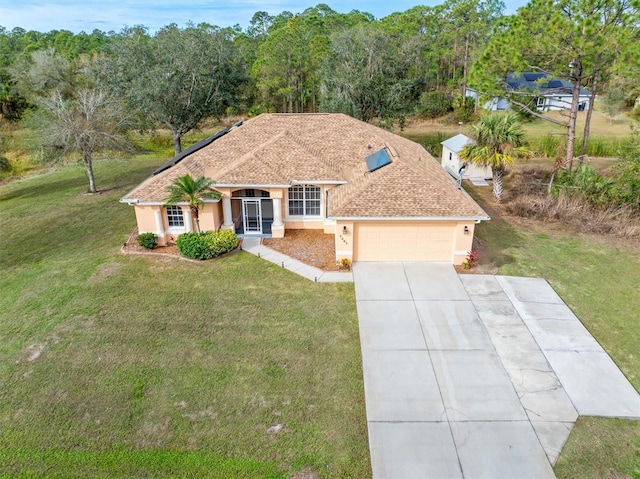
(551, 93)
(451, 148)
(383, 197)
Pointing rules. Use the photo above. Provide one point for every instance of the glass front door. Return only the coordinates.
(251, 216)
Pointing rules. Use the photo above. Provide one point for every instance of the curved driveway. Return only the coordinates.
(475, 376)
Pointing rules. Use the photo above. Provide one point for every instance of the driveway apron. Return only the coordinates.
(456, 375)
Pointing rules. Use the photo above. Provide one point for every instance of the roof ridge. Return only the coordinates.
(266, 163)
(234, 164)
(313, 150)
(345, 193)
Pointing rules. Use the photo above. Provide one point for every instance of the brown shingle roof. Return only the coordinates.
(278, 149)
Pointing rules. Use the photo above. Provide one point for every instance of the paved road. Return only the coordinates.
(475, 376)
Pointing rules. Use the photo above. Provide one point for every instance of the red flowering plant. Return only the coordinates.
(472, 259)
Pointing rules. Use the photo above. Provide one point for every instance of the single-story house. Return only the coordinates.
(452, 164)
(550, 93)
(383, 197)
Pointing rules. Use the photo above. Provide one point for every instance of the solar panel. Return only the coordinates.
(555, 84)
(533, 76)
(513, 85)
(377, 160)
(193, 148)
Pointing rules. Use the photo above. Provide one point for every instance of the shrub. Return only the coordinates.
(549, 146)
(147, 240)
(433, 104)
(464, 111)
(255, 110)
(221, 241)
(345, 263)
(599, 146)
(587, 182)
(628, 168)
(472, 259)
(206, 245)
(194, 246)
(431, 141)
(5, 164)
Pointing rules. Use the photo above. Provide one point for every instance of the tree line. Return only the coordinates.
(317, 60)
(91, 88)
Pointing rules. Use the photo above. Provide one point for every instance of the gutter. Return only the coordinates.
(137, 202)
(318, 182)
(477, 219)
(250, 186)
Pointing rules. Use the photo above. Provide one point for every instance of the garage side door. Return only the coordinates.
(399, 241)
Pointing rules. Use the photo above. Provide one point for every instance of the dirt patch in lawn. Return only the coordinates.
(312, 247)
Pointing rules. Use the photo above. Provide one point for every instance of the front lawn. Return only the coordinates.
(121, 366)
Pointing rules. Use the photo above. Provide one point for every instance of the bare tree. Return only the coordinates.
(85, 122)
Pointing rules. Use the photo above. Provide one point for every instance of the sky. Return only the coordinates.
(114, 15)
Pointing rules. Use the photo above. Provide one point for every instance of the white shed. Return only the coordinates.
(452, 163)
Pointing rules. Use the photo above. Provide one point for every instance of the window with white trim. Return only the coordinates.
(174, 216)
(304, 200)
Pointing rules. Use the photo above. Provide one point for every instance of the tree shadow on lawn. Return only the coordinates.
(76, 181)
(30, 188)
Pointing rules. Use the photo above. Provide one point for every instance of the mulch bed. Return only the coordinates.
(131, 246)
(312, 247)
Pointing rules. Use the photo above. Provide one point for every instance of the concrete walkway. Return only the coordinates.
(255, 247)
(475, 376)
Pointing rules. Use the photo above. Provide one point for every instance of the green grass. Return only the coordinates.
(599, 281)
(429, 140)
(117, 366)
(545, 138)
(121, 366)
(600, 124)
(601, 448)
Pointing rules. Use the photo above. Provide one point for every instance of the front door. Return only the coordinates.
(251, 216)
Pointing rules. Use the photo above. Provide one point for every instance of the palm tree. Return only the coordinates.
(193, 191)
(499, 141)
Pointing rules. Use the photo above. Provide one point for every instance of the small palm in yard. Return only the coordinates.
(193, 191)
(499, 141)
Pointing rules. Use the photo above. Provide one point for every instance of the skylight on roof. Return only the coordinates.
(555, 84)
(377, 160)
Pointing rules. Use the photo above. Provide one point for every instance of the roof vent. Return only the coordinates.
(377, 160)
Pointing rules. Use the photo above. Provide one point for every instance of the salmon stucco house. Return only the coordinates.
(383, 197)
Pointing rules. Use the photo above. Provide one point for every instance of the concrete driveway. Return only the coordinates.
(475, 376)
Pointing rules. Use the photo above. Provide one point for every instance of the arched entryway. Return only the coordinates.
(252, 212)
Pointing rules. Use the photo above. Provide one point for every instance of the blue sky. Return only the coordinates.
(107, 15)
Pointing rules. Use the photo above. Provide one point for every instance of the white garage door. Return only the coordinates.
(399, 241)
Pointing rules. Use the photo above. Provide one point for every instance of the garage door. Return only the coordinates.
(397, 241)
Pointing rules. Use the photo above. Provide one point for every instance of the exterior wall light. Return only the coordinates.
(345, 230)
(466, 230)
